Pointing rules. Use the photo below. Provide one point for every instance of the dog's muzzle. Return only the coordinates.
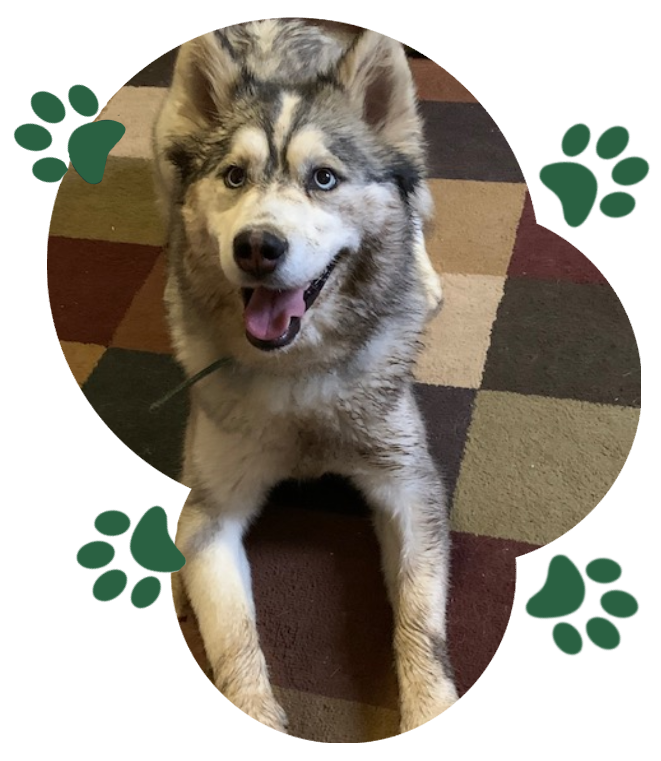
(273, 318)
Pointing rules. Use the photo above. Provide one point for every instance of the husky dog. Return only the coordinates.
(290, 167)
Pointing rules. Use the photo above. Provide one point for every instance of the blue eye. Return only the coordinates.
(324, 179)
(235, 177)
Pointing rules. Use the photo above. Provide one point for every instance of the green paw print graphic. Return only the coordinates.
(151, 547)
(576, 186)
(564, 592)
(89, 144)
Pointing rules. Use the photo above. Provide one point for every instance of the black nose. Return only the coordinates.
(258, 251)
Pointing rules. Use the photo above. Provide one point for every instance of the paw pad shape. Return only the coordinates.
(89, 144)
(564, 592)
(576, 186)
(151, 547)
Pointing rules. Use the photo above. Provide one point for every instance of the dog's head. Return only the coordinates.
(298, 166)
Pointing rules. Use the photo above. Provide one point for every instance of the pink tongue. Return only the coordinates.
(269, 313)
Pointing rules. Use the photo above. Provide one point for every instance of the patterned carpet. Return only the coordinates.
(529, 383)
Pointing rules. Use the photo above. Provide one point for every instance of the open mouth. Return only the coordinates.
(273, 318)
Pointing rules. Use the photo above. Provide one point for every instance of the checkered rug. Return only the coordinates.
(529, 384)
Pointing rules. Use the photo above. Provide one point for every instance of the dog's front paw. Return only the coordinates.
(264, 708)
(274, 717)
(424, 704)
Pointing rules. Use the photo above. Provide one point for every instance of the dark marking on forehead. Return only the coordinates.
(264, 103)
(260, 104)
(273, 155)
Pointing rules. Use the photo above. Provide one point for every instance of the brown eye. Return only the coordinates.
(323, 179)
(235, 177)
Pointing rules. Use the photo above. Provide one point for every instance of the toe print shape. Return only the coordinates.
(564, 592)
(576, 186)
(151, 547)
(89, 144)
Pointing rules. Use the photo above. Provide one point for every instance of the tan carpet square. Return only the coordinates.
(81, 358)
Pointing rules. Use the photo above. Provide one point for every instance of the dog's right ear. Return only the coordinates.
(205, 76)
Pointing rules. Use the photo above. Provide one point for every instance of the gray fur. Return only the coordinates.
(338, 398)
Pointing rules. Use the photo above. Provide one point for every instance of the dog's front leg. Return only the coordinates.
(216, 580)
(230, 477)
(411, 525)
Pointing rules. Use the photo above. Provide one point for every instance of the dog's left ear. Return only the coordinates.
(376, 76)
